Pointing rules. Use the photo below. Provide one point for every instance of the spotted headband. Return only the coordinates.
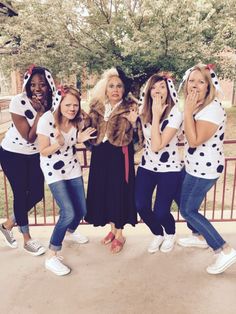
(48, 76)
(171, 87)
(214, 78)
(60, 92)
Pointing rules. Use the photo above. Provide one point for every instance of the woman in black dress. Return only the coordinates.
(110, 196)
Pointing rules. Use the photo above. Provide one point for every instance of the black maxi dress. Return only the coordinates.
(109, 197)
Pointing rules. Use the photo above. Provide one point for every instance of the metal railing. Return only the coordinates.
(218, 205)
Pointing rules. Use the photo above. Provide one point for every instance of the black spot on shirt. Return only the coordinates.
(164, 124)
(191, 150)
(29, 114)
(222, 136)
(74, 149)
(58, 165)
(164, 157)
(143, 161)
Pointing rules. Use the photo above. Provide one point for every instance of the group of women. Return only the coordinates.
(41, 144)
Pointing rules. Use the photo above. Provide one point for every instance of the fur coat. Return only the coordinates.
(118, 129)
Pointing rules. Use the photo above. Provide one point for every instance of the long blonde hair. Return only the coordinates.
(99, 90)
(211, 90)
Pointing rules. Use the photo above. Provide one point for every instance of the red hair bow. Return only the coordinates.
(61, 89)
(30, 69)
(210, 66)
(166, 75)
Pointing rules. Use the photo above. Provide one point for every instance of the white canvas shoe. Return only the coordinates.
(193, 241)
(76, 237)
(34, 248)
(55, 265)
(168, 243)
(155, 244)
(222, 262)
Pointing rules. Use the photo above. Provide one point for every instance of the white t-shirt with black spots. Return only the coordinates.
(13, 141)
(207, 160)
(63, 164)
(167, 159)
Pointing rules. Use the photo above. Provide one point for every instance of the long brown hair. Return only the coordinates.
(68, 90)
(147, 108)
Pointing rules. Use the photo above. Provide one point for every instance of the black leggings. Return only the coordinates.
(26, 180)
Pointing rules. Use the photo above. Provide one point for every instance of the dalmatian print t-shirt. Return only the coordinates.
(168, 158)
(63, 164)
(13, 141)
(207, 160)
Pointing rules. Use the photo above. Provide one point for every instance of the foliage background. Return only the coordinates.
(141, 36)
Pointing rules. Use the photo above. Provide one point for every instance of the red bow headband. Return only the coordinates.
(30, 69)
(61, 90)
(210, 66)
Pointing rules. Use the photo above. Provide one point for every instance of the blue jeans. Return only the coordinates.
(159, 217)
(70, 197)
(193, 192)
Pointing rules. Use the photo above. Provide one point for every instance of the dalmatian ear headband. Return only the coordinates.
(214, 78)
(171, 88)
(48, 76)
(60, 92)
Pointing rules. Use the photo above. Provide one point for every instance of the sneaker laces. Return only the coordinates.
(156, 241)
(57, 259)
(34, 244)
(169, 236)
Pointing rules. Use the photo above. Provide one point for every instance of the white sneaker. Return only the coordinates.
(168, 243)
(76, 237)
(55, 265)
(193, 241)
(34, 248)
(223, 261)
(155, 244)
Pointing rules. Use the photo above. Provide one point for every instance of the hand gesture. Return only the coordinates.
(85, 135)
(191, 103)
(132, 115)
(157, 107)
(38, 106)
(59, 138)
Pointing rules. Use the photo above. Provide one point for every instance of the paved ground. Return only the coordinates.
(132, 282)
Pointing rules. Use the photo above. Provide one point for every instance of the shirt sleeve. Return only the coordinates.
(175, 118)
(43, 126)
(17, 105)
(213, 113)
